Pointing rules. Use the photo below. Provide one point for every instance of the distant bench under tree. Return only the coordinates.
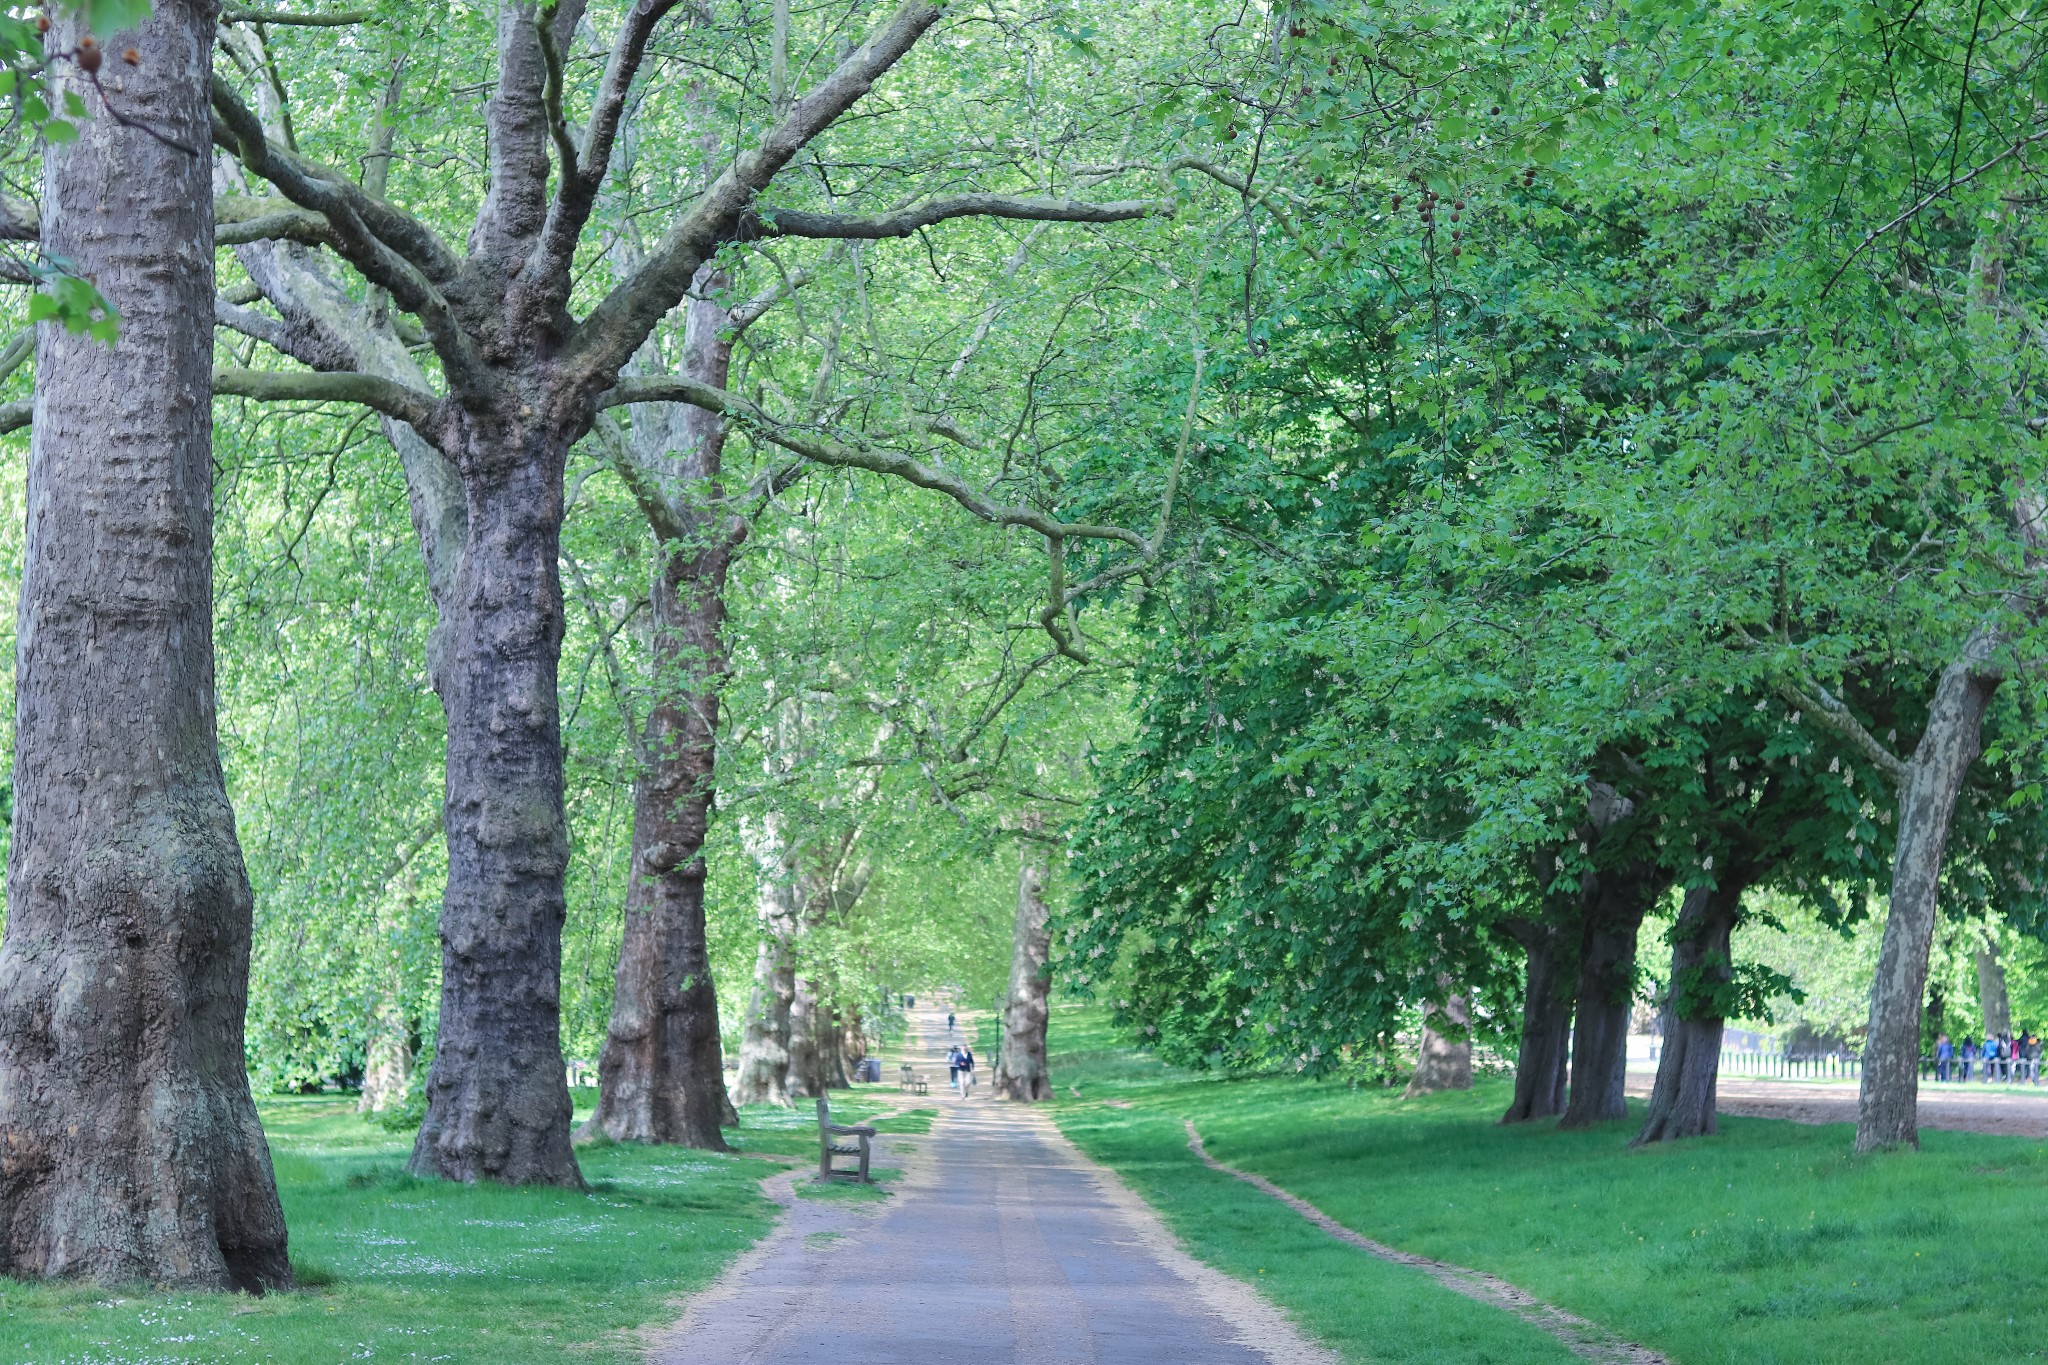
(827, 1148)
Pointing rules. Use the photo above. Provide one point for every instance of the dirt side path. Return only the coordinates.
(1959, 1108)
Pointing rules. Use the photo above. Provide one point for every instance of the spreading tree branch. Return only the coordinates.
(551, 90)
(300, 343)
(1829, 711)
(18, 351)
(903, 222)
(1223, 176)
(980, 724)
(392, 249)
(615, 329)
(239, 219)
(662, 517)
(328, 192)
(583, 171)
(827, 450)
(387, 396)
(1954, 183)
(744, 315)
(242, 14)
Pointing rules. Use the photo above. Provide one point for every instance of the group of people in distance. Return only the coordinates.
(959, 1064)
(1999, 1057)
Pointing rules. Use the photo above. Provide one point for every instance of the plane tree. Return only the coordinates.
(135, 1151)
(525, 354)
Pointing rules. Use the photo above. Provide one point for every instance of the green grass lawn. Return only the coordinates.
(1767, 1245)
(414, 1270)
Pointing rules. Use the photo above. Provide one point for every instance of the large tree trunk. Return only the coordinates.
(1021, 1072)
(387, 1057)
(1444, 1063)
(1888, 1103)
(828, 1041)
(832, 1048)
(132, 1146)
(1682, 1102)
(1548, 991)
(1991, 992)
(765, 1036)
(497, 1094)
(392, 1034)
(662, 1072)
(789, 1046)
(1607, 959)
(853, 1038)
(806, 1060)
(817, 1056)
(661, 1075)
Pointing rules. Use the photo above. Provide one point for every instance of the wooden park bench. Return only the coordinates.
(911, 1081)
(827, 1148)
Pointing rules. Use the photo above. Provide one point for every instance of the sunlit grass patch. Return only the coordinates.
(909, 1122)
(1768, 1243)
(401, 1269)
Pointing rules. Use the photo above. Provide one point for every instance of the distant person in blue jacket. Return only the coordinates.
(1990, 1053)
(1944, 1055)
(1963, 1056)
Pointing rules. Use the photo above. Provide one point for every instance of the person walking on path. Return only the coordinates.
(953, 1067)
(966, 1071)
(949, 1023)
(1944, 1053)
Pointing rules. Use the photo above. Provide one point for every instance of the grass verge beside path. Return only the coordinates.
(400, 1269)
(1361, 1307)
(1767, 1245)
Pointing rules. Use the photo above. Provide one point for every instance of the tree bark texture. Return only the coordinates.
(1889, 1098)
(1991, 992)
(387, 1058)
(1550, 986)
(833, 883)
(853, 1037)
(817, 1038)
(497, 1093)
(131, 1150)
(1617, 900)
(391, 1036)
(1682, 1102)
(661, 1074)
(790, 1046)
(1443, 1063)
(1021, 1071)
(807, 1019)
(765, 1036)
(833, 1064)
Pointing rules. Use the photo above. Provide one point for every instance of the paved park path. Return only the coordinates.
(1001, 1243)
